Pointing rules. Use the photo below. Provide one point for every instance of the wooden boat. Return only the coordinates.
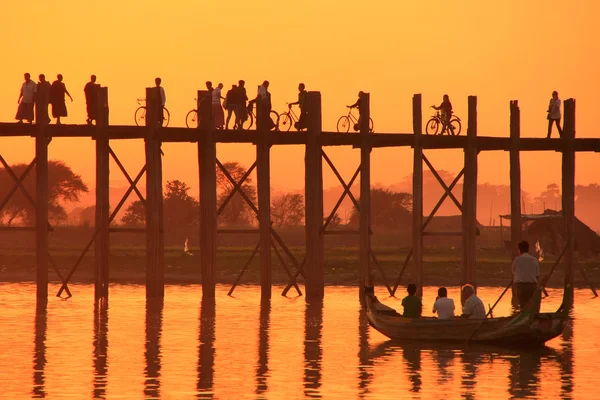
(528, 327)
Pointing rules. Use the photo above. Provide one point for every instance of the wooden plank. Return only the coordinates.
(313, 192)
(417, 229)
(263, 177)
(568, 187)
(469, 203)
(515, 177)
(155, 242)
(41, 202)
(207, 164)
(365, 193)
(101, 244)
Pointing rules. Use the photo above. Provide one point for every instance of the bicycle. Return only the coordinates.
(287, 119)
(140, 115)
(249, 122)
(191, 118)
(433, 125)
(343, 124)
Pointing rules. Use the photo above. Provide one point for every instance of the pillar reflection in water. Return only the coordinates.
(365, 362)
(100, 347)
(313, 354)
(412, 356)
(262, 369)
(39, 355)
(154, 310)
(470, 360)
(206, 349)
(566, 360)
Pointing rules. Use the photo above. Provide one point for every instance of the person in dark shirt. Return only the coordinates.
(242, 98)
(231, 100)
(58, 90)
(411, 303)
(42, 99)
(301, 124)
(91, 99)
(357, 105)
(446, 108)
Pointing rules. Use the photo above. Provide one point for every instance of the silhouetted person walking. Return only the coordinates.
(554, 114)
(263, 107)
(217, 109)
(91, 99)
(43, 99)
(162, 102)
(446, 109)
(58, 90)
(242, 98)
(26, 100)
(231, 102)
(301, 124)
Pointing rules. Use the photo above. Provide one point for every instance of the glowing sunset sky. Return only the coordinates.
(499, 51)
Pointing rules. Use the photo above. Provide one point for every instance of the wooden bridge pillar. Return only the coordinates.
(101, 244)
(365, 192)
(41, 199)
(568, 187)
(515, 177)
(313, 192)
(154, 199)
(469, 215)
(263, 177)
(207, 161)
(417, 240)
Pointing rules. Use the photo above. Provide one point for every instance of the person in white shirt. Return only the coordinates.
(163, 100)
(526, 272)
(217, 109)
(26, 100)
(473, 307)
(554, 114)
(443, 306)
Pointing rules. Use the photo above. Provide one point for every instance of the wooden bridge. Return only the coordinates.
(316, 142)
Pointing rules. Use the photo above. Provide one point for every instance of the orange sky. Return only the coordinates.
(498, 51)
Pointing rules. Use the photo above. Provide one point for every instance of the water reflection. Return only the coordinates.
(566, 360)
(206, 349)
(313, 354)
(444, 359)
(470, 359)
(100, 359)
(154, 311)
(39, 354)
(262, 369)
(365, 362)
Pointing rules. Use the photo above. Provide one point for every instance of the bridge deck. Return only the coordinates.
(120, 132)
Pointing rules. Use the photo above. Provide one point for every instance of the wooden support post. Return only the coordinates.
(515, 185)
(41, 199)
(365, 192)
(313, 192)
(263, 176)
(417, 239)
(154, 222)
(207, 164)
(101, 244)
(469, 203)
(568, 187)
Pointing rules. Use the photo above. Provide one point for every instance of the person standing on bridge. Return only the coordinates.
(42, 99)
(554, 114)
(26, 100)
(58, 90)
(358, 105)
(217, 109)
(91, 99)
(162, 102)
(242, 98)
(231, 104)
(263, 107)
(301, 124)
(526, 272)
(446, 109)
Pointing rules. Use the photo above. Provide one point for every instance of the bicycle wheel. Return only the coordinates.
(343, 124)
(247, 124)
(456, 126)
(275, 118)
(140, 116)
(285, 122)
(166, 117)
(432, 127)
(371, 125)
(191, 119)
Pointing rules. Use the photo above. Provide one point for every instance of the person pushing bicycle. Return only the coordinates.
(302, 104)
(357, 105)
(446, 109)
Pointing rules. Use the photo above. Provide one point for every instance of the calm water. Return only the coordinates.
(285, 349)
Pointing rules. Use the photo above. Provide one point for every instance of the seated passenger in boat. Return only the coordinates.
(473, 307)
(411, 303)
(443, 306)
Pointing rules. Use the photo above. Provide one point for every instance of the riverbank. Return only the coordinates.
(441, 266)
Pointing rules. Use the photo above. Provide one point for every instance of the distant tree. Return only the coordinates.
(549, 199)
(237, 212)
(336, 220)
(288, 209)
(388, 209)
(135, 214)
(87, 216)
(64, 186)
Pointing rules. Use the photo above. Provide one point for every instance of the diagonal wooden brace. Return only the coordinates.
(237, 186)
(124, 171)
(18, 184)
(442, 183)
